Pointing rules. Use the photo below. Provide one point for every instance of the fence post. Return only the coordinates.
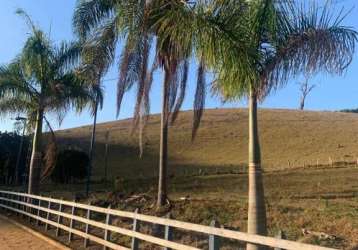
(24, 206)
(10, 203)
(88, 217)
(18, 205)
(29, 209)
(214, 241)
(135, 242)
(59, 220)
(38, 212)
(107, 233)
(48, 215)
(168, 232)
(6, 202)
(280, 235)
(70, 235)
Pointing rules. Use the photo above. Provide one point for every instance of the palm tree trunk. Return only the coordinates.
(302, 103)
(36, 157)
(256, 223)
(163, 154)
(19, 154)
(91, 151)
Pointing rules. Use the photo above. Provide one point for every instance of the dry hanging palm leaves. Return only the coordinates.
(184, 70)
(50, 154)
(199, 101)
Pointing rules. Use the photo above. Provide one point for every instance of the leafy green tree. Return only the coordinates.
(102, 23)
(41, 81)
(282, 40)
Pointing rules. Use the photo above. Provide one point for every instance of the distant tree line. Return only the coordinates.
(9, 148)
(69, 166)
(350, 110)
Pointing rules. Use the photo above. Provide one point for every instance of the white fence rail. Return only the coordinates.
(51, 212)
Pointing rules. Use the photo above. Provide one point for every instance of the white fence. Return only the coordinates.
(51, 213)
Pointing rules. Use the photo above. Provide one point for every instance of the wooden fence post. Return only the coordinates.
(18, 205)
(38, 212)
(24, 206)
(280, 235)
(59, 220)
(6, 203)
(214, 241)
(135, 242)
(168, 232)
(29, 209)
(10, 203)
(107, 233)
(88, 217)
(48, 215)
(70, 235)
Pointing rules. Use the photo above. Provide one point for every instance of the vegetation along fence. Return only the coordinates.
(92, 223)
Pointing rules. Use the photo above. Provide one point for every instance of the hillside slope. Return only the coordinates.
(289, 138)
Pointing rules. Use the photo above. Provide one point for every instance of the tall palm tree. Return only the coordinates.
(92, 70)
(283, 40)
(38, 82)
(102, 23)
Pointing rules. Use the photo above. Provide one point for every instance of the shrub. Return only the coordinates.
(9, 149)
(71, 165)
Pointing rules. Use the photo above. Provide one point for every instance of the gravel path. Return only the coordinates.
(15, 238)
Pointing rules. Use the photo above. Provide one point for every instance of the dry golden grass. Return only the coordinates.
(319, 198)
(289, 139)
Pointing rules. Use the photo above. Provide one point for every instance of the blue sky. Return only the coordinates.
(54, 16)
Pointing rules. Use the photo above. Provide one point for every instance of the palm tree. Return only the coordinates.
(92, 71)
(283, 40)
(38, 82)
(102, 23)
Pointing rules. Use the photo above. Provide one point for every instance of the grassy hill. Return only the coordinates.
(289, 138)
(321, 198)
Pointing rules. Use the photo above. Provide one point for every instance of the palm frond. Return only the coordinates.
(28, 19)
(131, 65)
(68, 55)
(308, 41)
(50, 153)
(143, 83)
(91, 14)
(13, 105)
(13, 83)
(199, 101)
(98, 53)
(184, 71)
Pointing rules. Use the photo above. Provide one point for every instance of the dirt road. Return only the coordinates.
(15, 238)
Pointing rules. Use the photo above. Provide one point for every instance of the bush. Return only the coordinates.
(71, 165)
(9, 149)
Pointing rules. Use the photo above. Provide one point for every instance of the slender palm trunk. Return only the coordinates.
(91, 151)
(163, 154)
(302, 103)
(36, 157)
(256, 223)
(19, 154)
